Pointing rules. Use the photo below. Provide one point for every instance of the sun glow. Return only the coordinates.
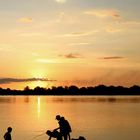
(39, 73)
(44, 84)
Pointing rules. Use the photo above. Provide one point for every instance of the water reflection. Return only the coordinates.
(132, 99)
(7, 100)
(38, 107)
(111, 118)
(14, 99)
(26, 99)
(61, 99)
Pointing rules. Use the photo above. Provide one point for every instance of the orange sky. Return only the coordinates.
(74, 42)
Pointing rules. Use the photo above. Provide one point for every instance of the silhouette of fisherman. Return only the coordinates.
(54, 134)
(64, 127)
(7, 135)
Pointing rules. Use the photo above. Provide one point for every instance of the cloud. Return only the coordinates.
(130, 25)
(43, 60)
(112, 57)
(26, 20)
(71, 55)
(60, 1)
(80, 44)
(104, 13)
(113, 30)
(80, 34)
(15, 80)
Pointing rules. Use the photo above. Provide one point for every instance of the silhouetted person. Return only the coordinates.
(80, 138)
(7, 135)
(54, 134)
(64, 127)
(67, 128)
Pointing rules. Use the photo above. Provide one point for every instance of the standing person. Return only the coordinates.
(64, 127)
(7, 135)
(67, 128)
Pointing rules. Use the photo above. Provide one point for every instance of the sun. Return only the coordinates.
(39, 73)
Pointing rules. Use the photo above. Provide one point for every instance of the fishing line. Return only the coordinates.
(44, 133)
(39, 135)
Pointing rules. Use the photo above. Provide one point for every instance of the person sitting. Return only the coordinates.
(54, 134)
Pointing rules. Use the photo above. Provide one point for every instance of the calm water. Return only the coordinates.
(96, 118)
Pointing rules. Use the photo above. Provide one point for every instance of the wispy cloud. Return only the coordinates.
(130, 22)
(16, 80)
(43, 60)
(80, 44)
(112, 57)
(26, 20)
(103, 13)
(80, 34)
(113, 30)
(71, 55)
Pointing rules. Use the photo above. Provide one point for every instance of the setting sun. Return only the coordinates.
(38, 84)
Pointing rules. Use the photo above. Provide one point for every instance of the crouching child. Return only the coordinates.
(54, 134)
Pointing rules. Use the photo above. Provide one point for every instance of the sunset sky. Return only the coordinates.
(80, 42)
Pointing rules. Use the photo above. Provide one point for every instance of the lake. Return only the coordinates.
(94, 117)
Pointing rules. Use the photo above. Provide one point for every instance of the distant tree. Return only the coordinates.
(60, 90)
(39, 90)
(135, 89)
(27, 88)
(73, 90)
(83, 90)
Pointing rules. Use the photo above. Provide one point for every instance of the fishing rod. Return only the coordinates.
(43, 133)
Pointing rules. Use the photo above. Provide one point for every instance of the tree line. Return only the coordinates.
(74, 90)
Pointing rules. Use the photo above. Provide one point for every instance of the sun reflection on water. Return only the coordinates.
(38, 107)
